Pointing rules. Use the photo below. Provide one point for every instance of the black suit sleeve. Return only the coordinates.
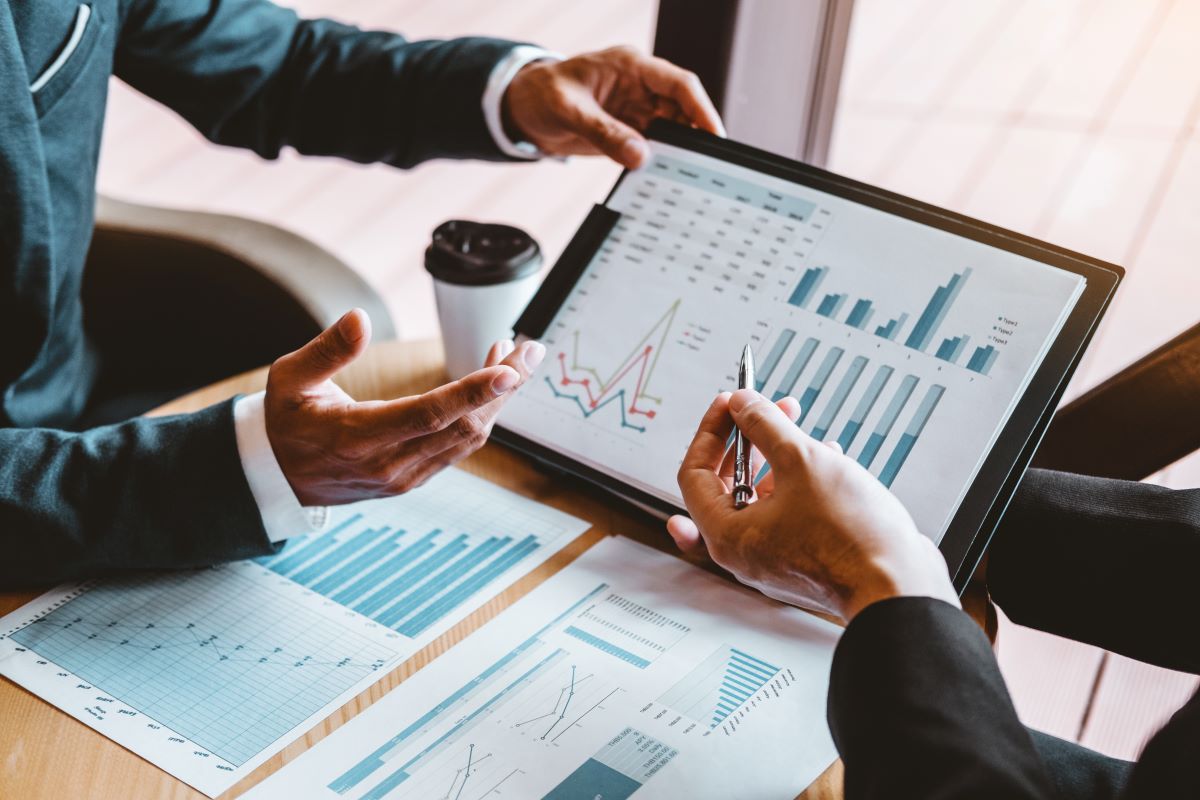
(918, 708)
(1102, 561)
(1167, 767)
(252, 74)
(149, 493)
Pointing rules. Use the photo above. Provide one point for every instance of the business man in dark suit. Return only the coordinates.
(231, 481)
(917, 705)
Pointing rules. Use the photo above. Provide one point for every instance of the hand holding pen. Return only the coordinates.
(743, 467)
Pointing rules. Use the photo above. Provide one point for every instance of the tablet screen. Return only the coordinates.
(907, 344)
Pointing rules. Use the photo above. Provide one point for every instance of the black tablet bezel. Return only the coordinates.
(971, 528)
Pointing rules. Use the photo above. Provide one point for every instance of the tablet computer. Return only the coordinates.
(933, 347)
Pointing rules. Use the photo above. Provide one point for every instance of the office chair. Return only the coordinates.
(175, 300)
(1137, 422)
(1140, 420)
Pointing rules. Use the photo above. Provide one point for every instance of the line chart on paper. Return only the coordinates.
(180, 649)
(206, 673)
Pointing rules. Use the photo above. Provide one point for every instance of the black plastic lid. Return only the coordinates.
(481, 254)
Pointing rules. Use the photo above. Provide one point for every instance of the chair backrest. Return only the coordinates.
(1144, 418)
(186, 298)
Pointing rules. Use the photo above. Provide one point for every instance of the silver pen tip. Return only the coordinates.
(746, 368)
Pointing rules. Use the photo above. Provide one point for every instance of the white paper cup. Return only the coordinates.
(483, 277)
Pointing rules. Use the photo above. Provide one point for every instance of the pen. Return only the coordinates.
(743, 486)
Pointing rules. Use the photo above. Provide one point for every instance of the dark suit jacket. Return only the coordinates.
(169, 492)
(918, 707)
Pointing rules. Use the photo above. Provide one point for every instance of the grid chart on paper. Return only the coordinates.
(186, 651)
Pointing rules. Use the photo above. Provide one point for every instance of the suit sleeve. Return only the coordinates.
(918, 708)
(148, 493)
(252, 74)
(1102, 561)
(1167, 767)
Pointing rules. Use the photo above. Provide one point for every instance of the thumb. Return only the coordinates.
(610, 136)
(768, 428)
(331, 351)
(685, 533)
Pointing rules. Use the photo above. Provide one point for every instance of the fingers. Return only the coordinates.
(421, 473)
(457, 440)
(664, 78)
(791, 407)
(438, 409)
(525, 358)
(609, 135)
(768, 428)
(685, 533)
(332, 350)
(498, 352)
(701, 486)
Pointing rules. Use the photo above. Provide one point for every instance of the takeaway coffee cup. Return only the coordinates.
(483, 277)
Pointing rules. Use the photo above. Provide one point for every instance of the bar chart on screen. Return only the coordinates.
(835, 377)
(905, 344)
(926, 324)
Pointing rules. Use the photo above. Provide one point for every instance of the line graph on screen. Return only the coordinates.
(626, 388)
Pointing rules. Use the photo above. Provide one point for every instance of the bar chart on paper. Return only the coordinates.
(719, 686)
(527, 708)
(204, 673)
(207, 673)
(541, 691)
(410, 563)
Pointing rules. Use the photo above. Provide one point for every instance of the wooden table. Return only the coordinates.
(45, 753)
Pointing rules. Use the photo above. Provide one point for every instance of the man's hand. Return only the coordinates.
(335, 450)
(597, 103)
(823, 532)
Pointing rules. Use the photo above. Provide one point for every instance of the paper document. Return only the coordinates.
(207, 673)
(628, 671)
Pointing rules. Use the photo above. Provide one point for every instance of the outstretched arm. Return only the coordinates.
(252, 74)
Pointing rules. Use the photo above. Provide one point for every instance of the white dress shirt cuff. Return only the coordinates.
(502, 74)
(282, 514)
